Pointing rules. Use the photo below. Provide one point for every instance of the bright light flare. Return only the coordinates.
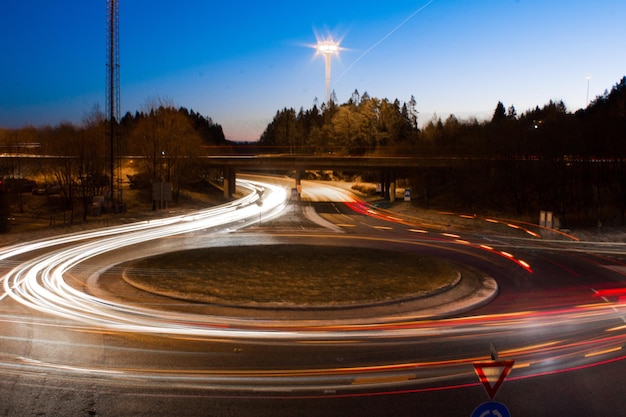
(328, 47)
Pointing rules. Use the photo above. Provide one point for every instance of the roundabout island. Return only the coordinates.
(303, 281)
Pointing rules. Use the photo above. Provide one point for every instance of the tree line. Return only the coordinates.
(546, 158)
(363, 125)
(76, 158)
(372, 126)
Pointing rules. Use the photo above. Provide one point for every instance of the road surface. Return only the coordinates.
(75, 341)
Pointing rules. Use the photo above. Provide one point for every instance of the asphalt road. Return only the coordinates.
(77, 341)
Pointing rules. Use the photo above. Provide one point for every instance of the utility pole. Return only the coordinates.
(113, 86)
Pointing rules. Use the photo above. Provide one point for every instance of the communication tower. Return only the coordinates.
(113, 86)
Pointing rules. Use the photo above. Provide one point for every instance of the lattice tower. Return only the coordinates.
(113, 85)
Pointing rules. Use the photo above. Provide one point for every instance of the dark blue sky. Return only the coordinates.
(239, 62)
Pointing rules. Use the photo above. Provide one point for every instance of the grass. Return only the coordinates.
(291, 275)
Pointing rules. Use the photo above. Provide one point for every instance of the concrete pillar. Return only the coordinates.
(230, 178)
(299, 172)
(383, 184)
(388, 185)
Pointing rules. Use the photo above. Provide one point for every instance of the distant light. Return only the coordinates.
(328, 47)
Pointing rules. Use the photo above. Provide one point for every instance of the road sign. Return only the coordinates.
(492, 374)
(491, 409)
(407, 194)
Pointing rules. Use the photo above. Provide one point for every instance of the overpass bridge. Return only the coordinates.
(389, 167)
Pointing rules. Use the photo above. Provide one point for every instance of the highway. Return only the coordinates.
(76, 340)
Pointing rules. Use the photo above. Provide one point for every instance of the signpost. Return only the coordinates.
(492, 374)
(407, 194)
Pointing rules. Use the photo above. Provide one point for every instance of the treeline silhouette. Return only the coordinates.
(165, 137)
(546, 158)
(209, 132)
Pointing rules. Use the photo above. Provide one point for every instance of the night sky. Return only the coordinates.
(239, 62)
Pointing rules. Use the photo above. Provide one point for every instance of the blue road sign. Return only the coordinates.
(491, 409)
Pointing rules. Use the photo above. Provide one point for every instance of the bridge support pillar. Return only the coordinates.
(388, 185)
(230, 178)
(299, 172)
(383, 185)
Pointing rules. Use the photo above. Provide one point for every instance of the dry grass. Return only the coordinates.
(294, 275)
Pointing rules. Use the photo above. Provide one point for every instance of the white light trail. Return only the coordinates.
(40, 282)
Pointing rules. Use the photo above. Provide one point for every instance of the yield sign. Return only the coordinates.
(492, 374)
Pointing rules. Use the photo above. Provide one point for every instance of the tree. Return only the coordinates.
(499, 113)
(413, 112)
(66, 141)
(91, 159)
(355, 99)
(349, 127)
(280, 133)
(511, 113)
(169, 143)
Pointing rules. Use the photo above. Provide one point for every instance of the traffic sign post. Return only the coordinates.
(492, 374)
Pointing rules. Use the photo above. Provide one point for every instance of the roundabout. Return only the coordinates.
(286, 281)
(295, 276)
(311, 316)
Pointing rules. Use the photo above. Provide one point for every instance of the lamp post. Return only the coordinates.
(327, 49)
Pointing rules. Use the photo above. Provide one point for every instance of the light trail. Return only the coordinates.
(546, 341)
(369, 210)
(24, 282)
(560, 352)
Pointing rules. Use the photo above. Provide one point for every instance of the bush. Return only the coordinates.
(365, 188)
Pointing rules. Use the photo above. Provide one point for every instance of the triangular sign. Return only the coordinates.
(492, 374)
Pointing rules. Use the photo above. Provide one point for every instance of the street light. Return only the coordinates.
(327, 48)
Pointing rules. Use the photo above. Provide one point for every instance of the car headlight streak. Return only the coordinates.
(40, 282)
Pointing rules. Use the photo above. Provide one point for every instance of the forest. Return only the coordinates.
(71, 164)
(546, 158)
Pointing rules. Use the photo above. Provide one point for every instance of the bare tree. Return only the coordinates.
(63, 142)
(91, 159)
(168, 142)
